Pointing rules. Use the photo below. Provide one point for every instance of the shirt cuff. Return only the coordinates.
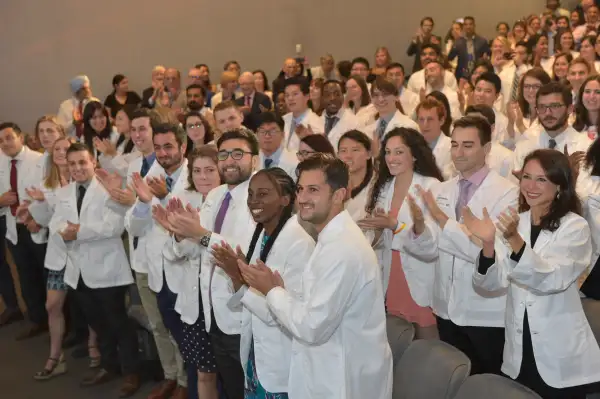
(141, 210)
(517, 256)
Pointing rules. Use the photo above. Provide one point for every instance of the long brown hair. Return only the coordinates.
(535, 73)
(52, 119)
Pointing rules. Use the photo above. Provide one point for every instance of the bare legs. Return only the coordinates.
(207, 385)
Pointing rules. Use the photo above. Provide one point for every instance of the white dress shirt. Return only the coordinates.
(287, 160)
(346, 121)
(308, 118)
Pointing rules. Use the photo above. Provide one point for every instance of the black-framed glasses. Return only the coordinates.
(236, 154)
(305, 154)
(541, 109)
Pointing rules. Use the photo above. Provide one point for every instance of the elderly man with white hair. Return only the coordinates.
(150, 95)
(70, 111)
(252, 103)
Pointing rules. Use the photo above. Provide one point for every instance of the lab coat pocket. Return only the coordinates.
(562, 337)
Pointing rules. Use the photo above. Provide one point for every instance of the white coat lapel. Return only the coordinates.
(92, 190)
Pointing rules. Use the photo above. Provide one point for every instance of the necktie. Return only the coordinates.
(169, 181)
(13, 185)
(381, 128)
(292, 131)
(79, 127)
(552, 144)
(330, 122)
(222, 212)
(470, 54)
(463, 196)
(514, 91)
(80, 197)
(145, 168)
(268, 163)
(247, 101)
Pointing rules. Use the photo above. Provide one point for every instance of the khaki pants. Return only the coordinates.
(170, 358)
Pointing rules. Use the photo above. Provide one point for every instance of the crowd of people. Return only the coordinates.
(269, 229)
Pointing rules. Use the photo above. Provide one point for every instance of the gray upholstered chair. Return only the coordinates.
(430, 369)
(491, 386)
(400, 334)
(591, 307)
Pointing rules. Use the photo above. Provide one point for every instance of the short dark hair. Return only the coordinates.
(300, 81)
(556, 88)
(335, 170)
(432, 46)
(11, 125)
(270, 117)
(484, 129)
(335, 82)
(472, 19)
(223, 105)
(240, 134)
(319, 143)
(344, 68)
(78, 147)
(486, 111)
(146, 113)
(427, 19)
(234, 62)
(166, 128)
(360, 60)
(196, 86)
(492, 78)
(395, 65)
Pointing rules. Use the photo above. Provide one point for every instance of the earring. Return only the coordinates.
(558, 195)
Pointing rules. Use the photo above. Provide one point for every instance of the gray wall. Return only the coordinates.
(45, 43)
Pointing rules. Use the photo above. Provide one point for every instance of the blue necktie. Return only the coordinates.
(169, 183)
(145, 167)
(268, 163)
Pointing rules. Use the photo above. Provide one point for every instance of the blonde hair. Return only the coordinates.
(52, 119)
(504, 41)
(52, 179)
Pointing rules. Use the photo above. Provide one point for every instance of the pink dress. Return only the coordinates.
(398, 299)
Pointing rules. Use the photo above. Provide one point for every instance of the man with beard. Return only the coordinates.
(554, 105)
(417, 82)
(253, 103)
(169, 148)
(224, 217)
(196, 98)
(336, 119)
(340, 348)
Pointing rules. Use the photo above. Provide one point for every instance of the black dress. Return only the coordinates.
(197, 348)
(111, 102)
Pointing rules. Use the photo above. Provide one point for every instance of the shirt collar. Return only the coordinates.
(239, 193)
(434, 142)
(301, 117)
(86, 185)
(275, 157)
(150, 159)
(388, 118)
(478, 177)
(337, 115)
(175, 175)
(20, 155)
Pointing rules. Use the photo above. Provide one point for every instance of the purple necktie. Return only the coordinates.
(463, 196)
(222, 212)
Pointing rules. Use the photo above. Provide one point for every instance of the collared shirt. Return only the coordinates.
(251, 97)
(85, 185)
(476, 179)
(275, 157)
(434, 142)
(298, 120)
(175, 175)
(151, 158)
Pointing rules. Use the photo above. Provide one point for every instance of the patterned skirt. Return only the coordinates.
(56, 280)
(254, 390)
(197, 348)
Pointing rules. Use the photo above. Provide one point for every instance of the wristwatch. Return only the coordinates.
(205, 240)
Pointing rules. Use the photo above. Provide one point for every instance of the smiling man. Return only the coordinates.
(336, 119)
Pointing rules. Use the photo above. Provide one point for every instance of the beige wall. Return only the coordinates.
(45, 43)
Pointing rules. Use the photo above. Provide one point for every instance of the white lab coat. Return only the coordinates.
(347, 121)
(29, 173)
(574, 140)
(454, 297)
(409, 100)
(366, 116)
(501, 160)
(42, 212)
(273, 343)
(507, 77)
(420, 277)
(544, 283)
(356, 206)
(443, 156)
(187, 303)
(288, 161)
(140, 222)
(398, 120)
(97, 255)
(417, 81)
(215, 286)
(119, 163)
(137, 256)
(588, 189)
(340, 348)
(292, 141)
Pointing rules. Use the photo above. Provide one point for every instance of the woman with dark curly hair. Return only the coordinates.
(405, 162)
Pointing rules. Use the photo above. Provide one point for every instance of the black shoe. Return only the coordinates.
(72, 340)
(80, 352)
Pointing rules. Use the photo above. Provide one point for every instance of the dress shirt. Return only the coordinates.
(274, 157)
(475, 182)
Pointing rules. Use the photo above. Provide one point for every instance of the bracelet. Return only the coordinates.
(400, 228)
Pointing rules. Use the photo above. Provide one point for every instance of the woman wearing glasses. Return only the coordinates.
(198, 130)
(522, 115)
(313, 144)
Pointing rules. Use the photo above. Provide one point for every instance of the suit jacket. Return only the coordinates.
(459, 50)
(251, 118)
(146, 95)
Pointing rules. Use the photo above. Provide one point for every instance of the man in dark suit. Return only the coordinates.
(468, 49)
(253, 103)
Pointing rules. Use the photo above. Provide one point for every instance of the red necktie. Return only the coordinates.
(79, 127)
(13, 185)
(247, 101)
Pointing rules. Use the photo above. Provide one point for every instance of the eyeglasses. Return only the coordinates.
(541, 109)
(271, 132)
(236, 154)
(194, 126)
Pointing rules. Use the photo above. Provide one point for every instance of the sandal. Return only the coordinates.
(94, 360)
(59, 367)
